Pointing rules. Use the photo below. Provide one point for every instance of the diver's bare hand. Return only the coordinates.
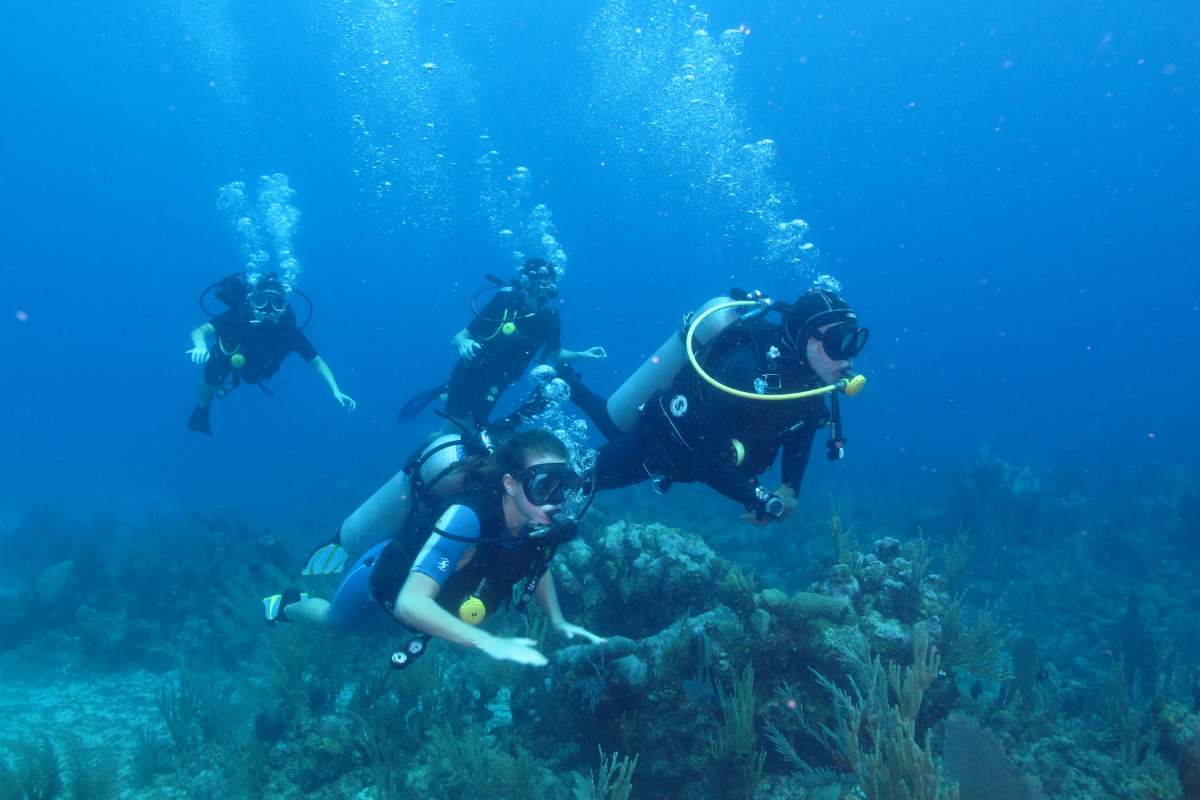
(521, 651)
(199, 354)
(469, 349)
(571, 631)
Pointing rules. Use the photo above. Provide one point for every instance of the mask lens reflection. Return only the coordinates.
(845, 341)
(262, 300)
(551, 488)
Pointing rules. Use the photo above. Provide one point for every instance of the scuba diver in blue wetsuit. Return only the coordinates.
(450, 568)
(250, 340)
(725, 394)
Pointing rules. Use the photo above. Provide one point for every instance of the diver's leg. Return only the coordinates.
(215, 372)
(199, 420)
(590, 403)
(469, 398)
(205, 394)
(622, 462)
(313, 612)
(348, 610)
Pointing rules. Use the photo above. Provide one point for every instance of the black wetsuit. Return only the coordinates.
(477, 384)
(693, 439)
(264, 346)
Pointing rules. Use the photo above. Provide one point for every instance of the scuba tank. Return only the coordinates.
(659, 371)
(431, 474)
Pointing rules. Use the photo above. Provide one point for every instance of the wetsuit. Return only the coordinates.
(487, 569)
(476, 384)
(263, 345)
(691, 432)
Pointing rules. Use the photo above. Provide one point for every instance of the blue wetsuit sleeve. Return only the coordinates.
(441, 554)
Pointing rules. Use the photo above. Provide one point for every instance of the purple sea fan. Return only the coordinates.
(976, 759)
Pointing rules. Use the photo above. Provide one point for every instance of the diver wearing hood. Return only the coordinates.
(449, 569)
(248, 342)
(496, 347)
(699, 428)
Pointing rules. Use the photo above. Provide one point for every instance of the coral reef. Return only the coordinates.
(998, 643)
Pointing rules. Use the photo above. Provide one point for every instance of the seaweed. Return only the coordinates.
(612, 781)
(91, 771)
(179, 705)
(734, 745)
(37, 772)
(148, 758)
(979, 648)
(875, 727)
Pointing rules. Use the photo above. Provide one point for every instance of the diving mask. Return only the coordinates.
(268, 303)
(842, 341)
(550, 484)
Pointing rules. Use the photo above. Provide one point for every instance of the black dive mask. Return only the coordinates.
(267, 304)
(541, 288)
(842, 341)
(550, 484)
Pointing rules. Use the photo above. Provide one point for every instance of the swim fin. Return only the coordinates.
(415, 405)
(199, 421)
(328, 559)
(275, 604)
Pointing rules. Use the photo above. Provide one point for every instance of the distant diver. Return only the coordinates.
(725, 393)
(450, 541)
(499, 343)
(248, 342)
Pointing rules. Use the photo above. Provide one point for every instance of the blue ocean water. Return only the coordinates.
(1006, 193)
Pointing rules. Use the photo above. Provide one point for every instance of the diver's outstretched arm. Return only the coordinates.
(200, 334)
(417, 608)
(796, 453)
(463, 344)
(565, 356)
(547, 597)
(346, 401)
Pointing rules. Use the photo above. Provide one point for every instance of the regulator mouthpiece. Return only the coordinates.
(854, 385)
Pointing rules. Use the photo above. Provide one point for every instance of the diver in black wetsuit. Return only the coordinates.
(694, 431)
(499, 343)
(250, 340)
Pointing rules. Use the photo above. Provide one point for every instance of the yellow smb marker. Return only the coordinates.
(472, 611)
